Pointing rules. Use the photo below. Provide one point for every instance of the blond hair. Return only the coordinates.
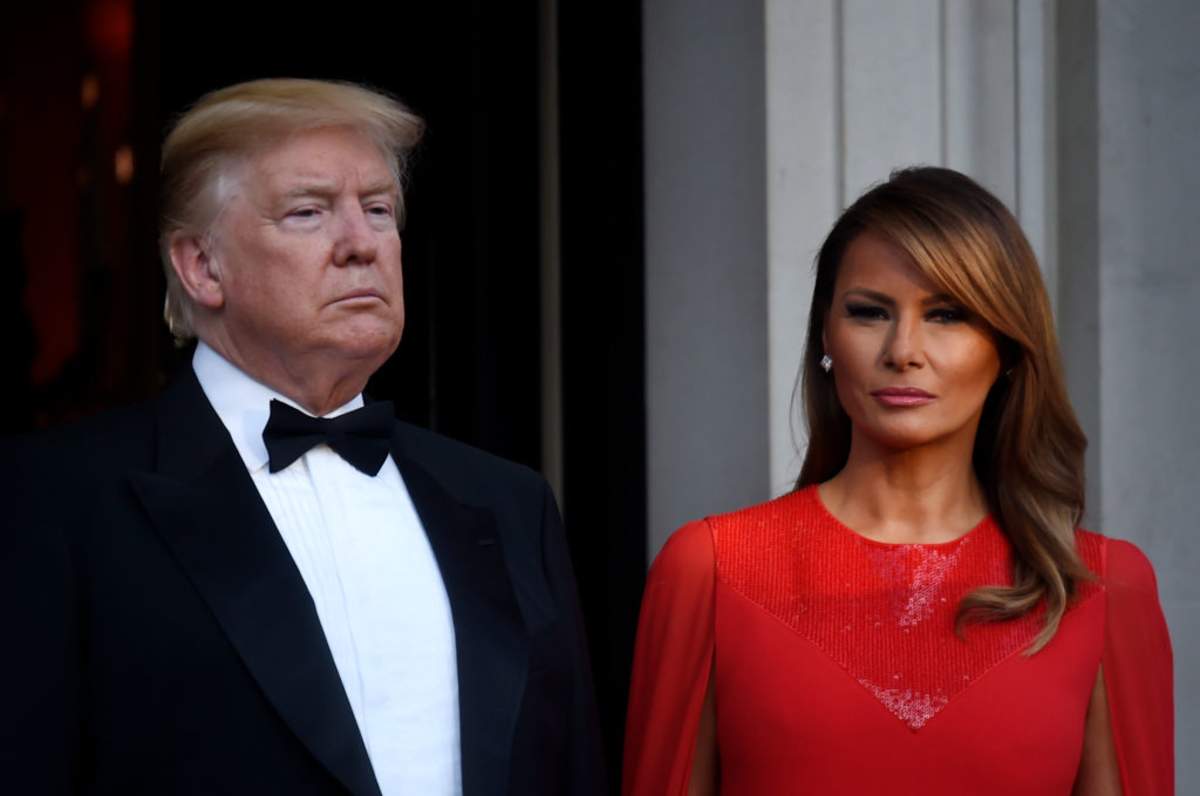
(225, 127)
(1029, 448)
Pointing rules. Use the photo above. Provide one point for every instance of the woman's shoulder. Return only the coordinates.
(695, 548)
(789, 513)
(688, 553)
(1118, 563)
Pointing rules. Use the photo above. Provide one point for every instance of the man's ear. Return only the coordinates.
(193, 261)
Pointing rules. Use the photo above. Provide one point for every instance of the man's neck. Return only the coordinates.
(317, 389)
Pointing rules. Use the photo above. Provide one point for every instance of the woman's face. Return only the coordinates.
(911, 366)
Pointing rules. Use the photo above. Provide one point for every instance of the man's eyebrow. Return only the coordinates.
(310, 188)
(383, 186)
(324, 188)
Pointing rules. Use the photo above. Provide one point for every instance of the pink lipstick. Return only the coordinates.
(902, 396)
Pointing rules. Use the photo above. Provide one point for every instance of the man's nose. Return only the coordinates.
(355, 243)
(903, 348)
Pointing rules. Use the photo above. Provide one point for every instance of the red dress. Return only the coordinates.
(837, 670)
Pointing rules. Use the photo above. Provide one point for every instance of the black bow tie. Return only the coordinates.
(362, 437)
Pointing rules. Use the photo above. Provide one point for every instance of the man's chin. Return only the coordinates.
(368, 345)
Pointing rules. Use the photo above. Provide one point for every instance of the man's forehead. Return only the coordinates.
(323, 159)
(309, 178)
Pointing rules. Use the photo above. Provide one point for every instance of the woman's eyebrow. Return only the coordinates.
(873, 295)
(884, 298)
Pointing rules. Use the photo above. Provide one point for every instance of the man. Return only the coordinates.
(255, 583)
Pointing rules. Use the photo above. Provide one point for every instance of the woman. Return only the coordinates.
(922, 614)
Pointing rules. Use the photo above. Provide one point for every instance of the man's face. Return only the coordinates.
(309, 254)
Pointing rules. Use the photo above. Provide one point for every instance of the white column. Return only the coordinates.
(979, 77)
(1148, 81)
(892, 93)
(804, 185)
(1036, 197)
(706, 272)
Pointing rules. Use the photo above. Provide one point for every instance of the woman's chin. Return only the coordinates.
(904, 438)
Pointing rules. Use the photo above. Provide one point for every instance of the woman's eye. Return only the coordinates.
(947, 315)
(866, 312)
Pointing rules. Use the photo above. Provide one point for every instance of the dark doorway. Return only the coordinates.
(603, 335)
(87, 90)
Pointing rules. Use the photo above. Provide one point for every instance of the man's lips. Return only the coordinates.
(357, 295)
(903, 396)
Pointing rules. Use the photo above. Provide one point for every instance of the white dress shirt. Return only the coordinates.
(364, 555)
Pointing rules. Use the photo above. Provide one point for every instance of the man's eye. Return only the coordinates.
(304, 212)
(383, 211)
(866, 312)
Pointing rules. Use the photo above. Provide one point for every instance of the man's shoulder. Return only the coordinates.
(110, 436)
(466, 471)
(68, 471)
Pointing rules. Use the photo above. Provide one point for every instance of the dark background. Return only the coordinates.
(87, 90)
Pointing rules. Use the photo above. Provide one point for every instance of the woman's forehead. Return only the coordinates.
(875, 263)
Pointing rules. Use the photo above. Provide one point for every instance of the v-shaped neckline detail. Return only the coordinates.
(883, 612)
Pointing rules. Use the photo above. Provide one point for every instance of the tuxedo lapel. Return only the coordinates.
(492, 647)
(204, 504)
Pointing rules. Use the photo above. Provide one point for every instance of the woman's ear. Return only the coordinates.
(193, 262)
(1010, 356)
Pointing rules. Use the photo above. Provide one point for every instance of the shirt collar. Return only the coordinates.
(243, 404)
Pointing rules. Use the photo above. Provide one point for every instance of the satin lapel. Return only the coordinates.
(205, 506)
(489, 634)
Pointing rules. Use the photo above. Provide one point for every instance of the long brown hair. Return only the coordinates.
(1029, 448)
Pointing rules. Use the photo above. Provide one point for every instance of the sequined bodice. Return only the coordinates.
(884, 613)
(827, 663)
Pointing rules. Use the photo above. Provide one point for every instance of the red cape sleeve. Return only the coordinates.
(1138, 674)
(671, 665)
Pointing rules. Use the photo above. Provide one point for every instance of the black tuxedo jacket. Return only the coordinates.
(160, 640)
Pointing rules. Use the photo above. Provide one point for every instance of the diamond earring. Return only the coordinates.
(827, 363)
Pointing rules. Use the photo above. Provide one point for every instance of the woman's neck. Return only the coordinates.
(918, 495)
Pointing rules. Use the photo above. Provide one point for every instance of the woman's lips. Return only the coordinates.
(902, 396)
